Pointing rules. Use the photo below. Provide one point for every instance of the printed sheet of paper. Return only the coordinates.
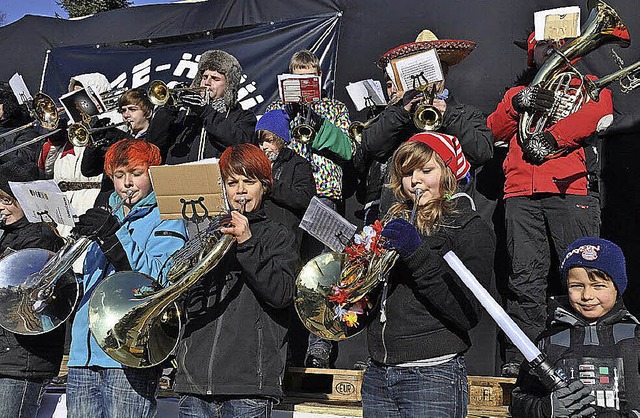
(79, 103)
(19, 89)
(560, 23)
(43, 196)
(326, 225)
(410, 72)
(296, 88)
(366, 93)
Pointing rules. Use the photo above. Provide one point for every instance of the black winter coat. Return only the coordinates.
(223, 129)
(234, 342)
(29, 153)
(429, 310)
(293, 188)
(30, 357)
(616, 335)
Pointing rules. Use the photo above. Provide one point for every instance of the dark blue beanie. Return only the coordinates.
(276, 122)
(596, 253)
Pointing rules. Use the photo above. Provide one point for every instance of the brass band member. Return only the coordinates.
(27, 362)
(134, 238)
(232, 355)
(417, 354)
(216, 120)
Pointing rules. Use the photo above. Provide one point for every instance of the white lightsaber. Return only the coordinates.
(531, 353)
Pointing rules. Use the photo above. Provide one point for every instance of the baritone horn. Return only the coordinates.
(159, 93)
(38, 289)
(571, 88)
(355, 280)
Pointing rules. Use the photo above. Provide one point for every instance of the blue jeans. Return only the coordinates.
(114, 393)
(20, 398)
(224, 407)
(430, 391)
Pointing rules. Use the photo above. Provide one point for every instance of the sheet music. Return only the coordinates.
(37, 197)
(294, 88)
(424, 67)
(560, 23)
(20, 89)
(366, 93)
(326, 225)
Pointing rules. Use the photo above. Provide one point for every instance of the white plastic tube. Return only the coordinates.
(515, 334)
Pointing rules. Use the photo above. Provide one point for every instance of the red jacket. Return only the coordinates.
(563, 175)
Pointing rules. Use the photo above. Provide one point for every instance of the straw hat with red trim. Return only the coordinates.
(450, 51)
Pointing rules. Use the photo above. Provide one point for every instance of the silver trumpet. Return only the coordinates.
(38, 289)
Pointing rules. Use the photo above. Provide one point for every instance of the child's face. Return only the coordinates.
(590, 298)
(134, 179)
(244, 193)
(134, 115)
(427, 179)
(268, 144)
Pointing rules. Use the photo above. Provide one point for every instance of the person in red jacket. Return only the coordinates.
(549, 202)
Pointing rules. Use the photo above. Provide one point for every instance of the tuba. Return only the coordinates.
(134, 319)
(337, 293)
(38, 289)
(571, 88)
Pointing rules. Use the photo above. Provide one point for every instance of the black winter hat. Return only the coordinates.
(12, 171)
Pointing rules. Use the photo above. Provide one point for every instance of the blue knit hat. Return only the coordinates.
(276, 122)
(597, 253)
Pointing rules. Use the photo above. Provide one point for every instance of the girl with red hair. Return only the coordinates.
(133, 238)
(237, 316)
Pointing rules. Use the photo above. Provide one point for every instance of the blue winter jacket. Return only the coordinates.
(148, 242)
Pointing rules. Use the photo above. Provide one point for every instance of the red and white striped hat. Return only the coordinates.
(448, 148)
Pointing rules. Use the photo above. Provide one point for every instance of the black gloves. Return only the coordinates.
(538, 147)
(572, 401)
(97, 222)
(610, 413)
(533, 99)
(309, 116)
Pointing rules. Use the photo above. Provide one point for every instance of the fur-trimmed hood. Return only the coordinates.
(224, 63)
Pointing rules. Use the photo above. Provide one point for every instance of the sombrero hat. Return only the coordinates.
(450, 51)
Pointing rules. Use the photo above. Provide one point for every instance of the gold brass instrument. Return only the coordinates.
(44, 112)
(356, 128)
(136, 321)
(38, 289)
(571, 88)
(334, 284)
(427, 117)
(80, 135)
(159, 93)
(304, 132)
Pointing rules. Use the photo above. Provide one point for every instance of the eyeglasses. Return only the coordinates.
(6, 201)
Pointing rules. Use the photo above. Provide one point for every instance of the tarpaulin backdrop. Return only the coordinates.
(263, 50)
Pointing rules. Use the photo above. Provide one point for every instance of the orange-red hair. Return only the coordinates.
(249, 161)
(130, 152)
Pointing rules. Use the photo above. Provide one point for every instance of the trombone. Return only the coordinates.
(159, 93)
(43, 109)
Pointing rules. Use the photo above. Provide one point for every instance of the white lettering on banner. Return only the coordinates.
(141, 73)
(186, 63)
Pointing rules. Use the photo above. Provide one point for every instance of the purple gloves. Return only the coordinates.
(401, 236)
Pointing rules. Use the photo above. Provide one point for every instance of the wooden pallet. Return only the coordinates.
(324, 384)
(489, 391)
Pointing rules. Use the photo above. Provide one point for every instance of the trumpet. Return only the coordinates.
(304, 132)
(427, 117)
(356, 128)
(159, 93)
(38, 289)
(44, 112)
(80, 135)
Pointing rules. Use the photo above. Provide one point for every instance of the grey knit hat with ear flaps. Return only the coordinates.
(224, 63)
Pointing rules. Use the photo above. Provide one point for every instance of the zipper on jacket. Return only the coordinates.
(260, 343)
(384, 344)
(212, 356)
(88, 348)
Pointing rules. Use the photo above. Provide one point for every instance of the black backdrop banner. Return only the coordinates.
(263, 50)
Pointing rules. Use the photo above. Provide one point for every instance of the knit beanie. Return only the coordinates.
(12, 171)
(276, 122)
(224, 63)
(597, 253)
(448, 148)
